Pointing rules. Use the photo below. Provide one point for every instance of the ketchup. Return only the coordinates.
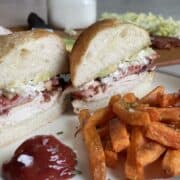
(41, 158)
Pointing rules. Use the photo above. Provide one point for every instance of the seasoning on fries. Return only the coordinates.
(145, 128)
(131, 117)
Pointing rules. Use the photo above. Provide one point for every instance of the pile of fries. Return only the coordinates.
(143, 130)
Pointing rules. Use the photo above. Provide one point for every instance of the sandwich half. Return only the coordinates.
(31, 90)
(109, 58)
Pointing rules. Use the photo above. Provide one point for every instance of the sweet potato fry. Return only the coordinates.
(83, 117)
(130, 98)
(164, 135)
(145, 127)
(95, 153)
(115, 98)
(133, 170)
(154, 114)
(110, 155)
(152, 97)
(167, 100)
(162, 114)
(119, 135)
(171, 114)
(149, 153)
(100, 117)
(134, 118)
(171, 162)
(103, 131)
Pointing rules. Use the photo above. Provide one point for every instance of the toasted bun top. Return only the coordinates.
(103, 44)
(28, 55)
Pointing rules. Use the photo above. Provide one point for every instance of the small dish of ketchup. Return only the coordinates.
(42, 157)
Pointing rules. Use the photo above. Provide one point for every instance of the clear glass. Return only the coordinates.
(71, 14)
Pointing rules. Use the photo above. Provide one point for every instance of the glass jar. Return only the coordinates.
(71, 14)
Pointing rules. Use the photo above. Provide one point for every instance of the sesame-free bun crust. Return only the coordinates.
(104, 43)
(25, 55)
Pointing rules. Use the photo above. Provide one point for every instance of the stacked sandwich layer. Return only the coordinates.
(110, 58)
(129, 70)
(30, 84)
(18, 104)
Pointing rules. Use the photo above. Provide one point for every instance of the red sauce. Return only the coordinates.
(41, 158)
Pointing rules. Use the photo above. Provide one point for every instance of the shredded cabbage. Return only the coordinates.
(69, 43)
(154, 24)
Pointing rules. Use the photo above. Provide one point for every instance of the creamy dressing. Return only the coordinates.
(26, 89)
(139, 59)
(123, 85)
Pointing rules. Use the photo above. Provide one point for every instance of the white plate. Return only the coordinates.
(68, 123)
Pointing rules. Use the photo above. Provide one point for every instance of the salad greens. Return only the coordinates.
(154, 24)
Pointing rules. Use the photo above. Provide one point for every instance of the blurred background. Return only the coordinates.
(164, 7)
(15, 12)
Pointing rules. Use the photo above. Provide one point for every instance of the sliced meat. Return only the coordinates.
(6, 104)
(7, 101)
(101, 84)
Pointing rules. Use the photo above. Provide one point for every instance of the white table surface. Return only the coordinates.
(172, 70)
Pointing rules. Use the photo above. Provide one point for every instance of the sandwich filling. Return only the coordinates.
(138, 64)
(26, 93)
(24, 111)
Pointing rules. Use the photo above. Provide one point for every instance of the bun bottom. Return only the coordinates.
(12, 133)
(140, 89)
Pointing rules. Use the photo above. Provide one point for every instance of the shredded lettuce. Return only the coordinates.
(69, 42)
(138, 58)
(154, 24)
(45, 76)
